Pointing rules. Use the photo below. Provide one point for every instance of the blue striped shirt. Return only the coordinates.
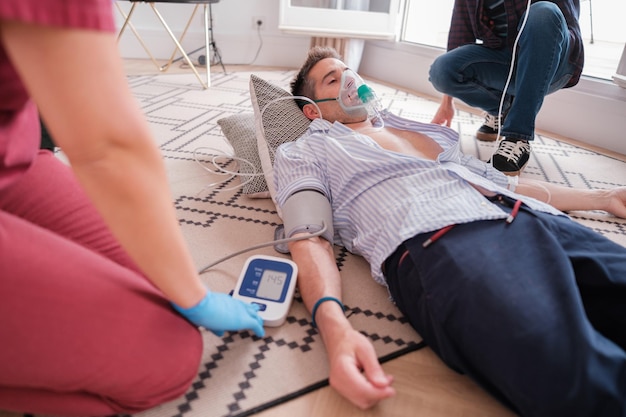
(381, 198)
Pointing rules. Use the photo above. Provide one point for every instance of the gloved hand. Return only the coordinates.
(219, 312)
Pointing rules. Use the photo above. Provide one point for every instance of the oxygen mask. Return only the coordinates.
(356, 97)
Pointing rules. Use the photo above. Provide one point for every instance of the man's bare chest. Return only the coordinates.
(405, 142)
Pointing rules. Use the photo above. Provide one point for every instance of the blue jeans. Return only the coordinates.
(477, 75)
(534, 311)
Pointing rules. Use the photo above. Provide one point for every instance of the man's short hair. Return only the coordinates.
(301, 85)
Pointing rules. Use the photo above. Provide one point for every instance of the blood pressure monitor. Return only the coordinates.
(270, 283)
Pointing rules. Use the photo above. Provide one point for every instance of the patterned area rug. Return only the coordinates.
(241, 374)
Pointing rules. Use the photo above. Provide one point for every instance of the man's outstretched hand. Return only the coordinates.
(355, 371)
(445, 112)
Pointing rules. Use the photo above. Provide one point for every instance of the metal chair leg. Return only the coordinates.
(179, 46)
(128, 23)
(209, 30)
(591, 21)
(207, 45)
(180, 40)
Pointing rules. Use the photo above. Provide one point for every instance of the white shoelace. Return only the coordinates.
(513, 150)
(492, 121)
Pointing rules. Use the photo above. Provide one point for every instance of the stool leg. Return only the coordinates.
(128, 23)
(207, 45)
(172, 60)
(216, 52)
(591, 21)
(179, 46)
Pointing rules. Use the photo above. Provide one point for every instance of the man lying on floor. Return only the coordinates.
(502, 286)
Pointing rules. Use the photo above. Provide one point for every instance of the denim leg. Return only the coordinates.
(542, 67)
(502, 304)
(477, 75)
(474, 74)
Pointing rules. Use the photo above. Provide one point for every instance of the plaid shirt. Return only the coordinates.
(467, 26)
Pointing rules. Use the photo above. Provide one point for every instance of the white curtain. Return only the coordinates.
(350, 49)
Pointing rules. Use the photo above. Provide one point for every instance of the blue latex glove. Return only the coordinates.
(219, 312)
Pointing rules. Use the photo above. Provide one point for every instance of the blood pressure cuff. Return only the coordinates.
(308, 211)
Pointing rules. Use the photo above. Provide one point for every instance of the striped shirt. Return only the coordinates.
(381, 198)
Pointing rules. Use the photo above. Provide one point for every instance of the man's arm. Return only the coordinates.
(77, 79)
(568, 199)
(560, 197)
(354, 368)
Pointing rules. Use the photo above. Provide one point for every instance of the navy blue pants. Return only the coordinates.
(534, 311)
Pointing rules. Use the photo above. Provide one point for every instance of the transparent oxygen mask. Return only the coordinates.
(356, 97)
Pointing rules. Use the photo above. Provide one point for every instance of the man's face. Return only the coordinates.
(326, 75)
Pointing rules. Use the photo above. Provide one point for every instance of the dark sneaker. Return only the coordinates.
(511, 156)
(489, 130)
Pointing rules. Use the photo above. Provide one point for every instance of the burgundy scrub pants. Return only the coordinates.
(82, 331)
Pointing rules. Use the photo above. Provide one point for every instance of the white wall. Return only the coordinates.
(233, 32)
(593, 112)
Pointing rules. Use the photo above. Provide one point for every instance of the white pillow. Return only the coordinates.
(239, 132)
(276, 122)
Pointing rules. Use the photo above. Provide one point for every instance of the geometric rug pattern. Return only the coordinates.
(241, 374)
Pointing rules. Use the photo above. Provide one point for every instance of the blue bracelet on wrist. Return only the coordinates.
(319, 302)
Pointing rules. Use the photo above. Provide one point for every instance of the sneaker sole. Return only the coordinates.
(513, 173)
(486, 137)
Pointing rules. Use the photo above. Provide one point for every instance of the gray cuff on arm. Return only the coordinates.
(308, 211)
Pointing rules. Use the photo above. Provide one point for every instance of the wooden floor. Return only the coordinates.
(424, 386)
